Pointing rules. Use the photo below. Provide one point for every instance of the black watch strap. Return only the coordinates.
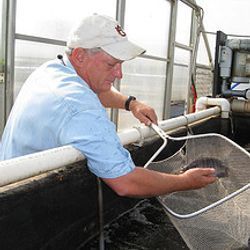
(130, 98)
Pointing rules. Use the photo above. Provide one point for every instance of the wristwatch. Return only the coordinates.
(130, 98)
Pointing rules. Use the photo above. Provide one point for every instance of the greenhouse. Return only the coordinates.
(124, 124)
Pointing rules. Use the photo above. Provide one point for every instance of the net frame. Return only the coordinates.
(165, 138)
(225, 230)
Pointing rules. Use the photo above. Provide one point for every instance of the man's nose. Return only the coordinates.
(118, 71)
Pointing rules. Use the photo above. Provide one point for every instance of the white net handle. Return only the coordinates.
(163, 135)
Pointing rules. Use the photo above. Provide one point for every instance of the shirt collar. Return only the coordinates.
(67, 62)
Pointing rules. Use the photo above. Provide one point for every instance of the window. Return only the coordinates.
(145, 79)
(54, 19)
(147, 24)
(183, 24)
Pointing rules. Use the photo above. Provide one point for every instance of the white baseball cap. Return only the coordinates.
(98, 31)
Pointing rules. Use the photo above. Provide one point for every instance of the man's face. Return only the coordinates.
(101, 70)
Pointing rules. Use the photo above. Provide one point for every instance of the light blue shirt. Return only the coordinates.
(55, 107)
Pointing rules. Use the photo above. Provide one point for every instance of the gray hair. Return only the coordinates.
(68, 50)
(94, 50)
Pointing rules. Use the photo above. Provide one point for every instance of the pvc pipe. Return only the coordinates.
(23, 167)
(138, 133)
(204, 102)
(240, 106)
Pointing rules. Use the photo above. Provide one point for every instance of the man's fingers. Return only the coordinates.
(208, 171)
(209, 174)
(152, 117)
(144, 113)
(144, 119)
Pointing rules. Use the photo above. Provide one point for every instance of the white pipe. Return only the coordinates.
(134, 135)
(240, 106)
(204, 102)
(23, 167)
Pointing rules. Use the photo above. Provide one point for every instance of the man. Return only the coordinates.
(62, 103)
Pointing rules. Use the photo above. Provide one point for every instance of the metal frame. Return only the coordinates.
(40, 39)
(10, 55)
(193, 47)
(207, 208)
(170, 63)
(120, 17)
(194, 43)
(2, 62)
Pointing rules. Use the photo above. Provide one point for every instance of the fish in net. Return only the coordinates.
(218, 215)
(221, 170)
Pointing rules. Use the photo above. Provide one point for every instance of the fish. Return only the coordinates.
(221, 171)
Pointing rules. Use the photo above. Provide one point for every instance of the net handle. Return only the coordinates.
(165, 138)
(163, 135)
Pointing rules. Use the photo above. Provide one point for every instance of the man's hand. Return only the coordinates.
(198, 177)
(114, 99)
(144, 113)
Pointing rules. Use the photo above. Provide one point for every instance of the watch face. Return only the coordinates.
(130, 98)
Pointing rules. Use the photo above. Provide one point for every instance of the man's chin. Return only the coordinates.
(106, 88)
(108, 85)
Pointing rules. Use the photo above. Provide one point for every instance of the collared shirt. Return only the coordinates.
(55, 107)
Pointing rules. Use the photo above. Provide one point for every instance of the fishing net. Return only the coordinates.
(217, 216)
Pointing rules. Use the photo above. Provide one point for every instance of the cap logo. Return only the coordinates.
(120, 31)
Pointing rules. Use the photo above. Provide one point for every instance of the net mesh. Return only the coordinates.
(225, 225)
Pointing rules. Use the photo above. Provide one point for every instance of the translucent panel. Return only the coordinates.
(229, 16)
(180, 83)
(212, 43)
(54, 19)
(181, 56)
(202, 55)
(179, 90)
(144, 79)
(184, 18)
(29, 56)
(147, 24)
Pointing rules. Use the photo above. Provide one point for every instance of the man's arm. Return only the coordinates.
(112, 99)
(148, 183)
(115, 99)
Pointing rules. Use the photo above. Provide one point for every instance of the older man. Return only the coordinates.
(63, 103)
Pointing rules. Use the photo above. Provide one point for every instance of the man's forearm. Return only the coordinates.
(113, 99)
(147, 183)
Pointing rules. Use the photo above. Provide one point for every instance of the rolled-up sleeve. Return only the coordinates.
(92, 133)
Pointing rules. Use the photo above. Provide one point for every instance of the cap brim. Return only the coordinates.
(123, 50)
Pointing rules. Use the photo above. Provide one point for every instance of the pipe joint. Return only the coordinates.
(204, 102)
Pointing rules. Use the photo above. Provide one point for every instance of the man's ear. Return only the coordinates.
(78, 56)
